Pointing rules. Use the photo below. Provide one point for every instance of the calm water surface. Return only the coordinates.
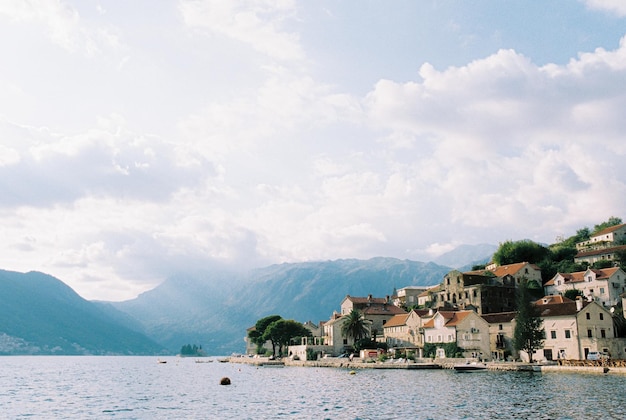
(139, 388)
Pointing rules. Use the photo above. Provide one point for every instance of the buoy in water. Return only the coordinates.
(353, 372)
(225, 381)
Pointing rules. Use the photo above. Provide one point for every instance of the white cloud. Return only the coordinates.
(616, 6)
(63, 25)
(255, 23)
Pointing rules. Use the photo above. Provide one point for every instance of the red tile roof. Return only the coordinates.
(499, 317)
(552, 299)
(608, 230)
(579, 276)
(601, 251)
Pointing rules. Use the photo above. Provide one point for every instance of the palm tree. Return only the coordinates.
(354, 326)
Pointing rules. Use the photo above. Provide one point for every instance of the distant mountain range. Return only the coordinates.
(41, 315)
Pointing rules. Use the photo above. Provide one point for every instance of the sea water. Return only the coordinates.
(75, 387)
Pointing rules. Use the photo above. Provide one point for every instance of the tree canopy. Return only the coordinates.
(510, 252)
(277, 331)
(613, 221)
(355, 326)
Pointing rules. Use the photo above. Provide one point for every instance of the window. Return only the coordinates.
(500, 327)
(601, 316)
(588, 315)
(450, 338)
(553, 335)
(439, 338)
(568, 334)
(602, 290)
(603, 333)
(589, 333)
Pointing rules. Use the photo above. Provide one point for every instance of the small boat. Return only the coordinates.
(469, 367)
(161, 361)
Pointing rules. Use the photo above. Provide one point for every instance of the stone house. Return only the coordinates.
(402, 332)
(465, 328)
(575, 328)
(516, 273)
(601, 285)
(407, 297)
(501, 332)
(478, 291)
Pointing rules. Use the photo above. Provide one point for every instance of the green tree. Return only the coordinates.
(573, 294)
(511, 252)
(600, 264)
(354, 326)
(613, 221)
(282, 331)
(529, 333)
(257, 335)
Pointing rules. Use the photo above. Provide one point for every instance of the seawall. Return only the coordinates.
(436, 364)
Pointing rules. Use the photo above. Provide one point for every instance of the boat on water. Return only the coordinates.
(161, 361)
(470, 367)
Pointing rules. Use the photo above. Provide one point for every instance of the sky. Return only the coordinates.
(143, 139)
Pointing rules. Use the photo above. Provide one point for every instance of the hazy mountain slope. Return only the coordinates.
(467, 255)
(39, 314)
(214, 309)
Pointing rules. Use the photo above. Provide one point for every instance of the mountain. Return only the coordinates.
(39, 314)
(215, 309)
(467, 256)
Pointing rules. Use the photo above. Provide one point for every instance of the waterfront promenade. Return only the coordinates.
(334, 362)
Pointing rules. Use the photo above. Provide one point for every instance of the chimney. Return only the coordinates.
(579, 303)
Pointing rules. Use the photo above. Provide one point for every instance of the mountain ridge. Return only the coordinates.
(212, 308)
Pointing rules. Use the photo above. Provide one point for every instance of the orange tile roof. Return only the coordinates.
(452, 318)
(397, 320)
(503, 270)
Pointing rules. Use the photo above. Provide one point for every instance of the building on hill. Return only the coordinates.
(517, 272)
(467, 329)
(602, 246)
(501, 332)
(606, 238)
(407, 297)
(575, 328)
(602, 285)
(375, 310)
(485, 291)
(601, 254)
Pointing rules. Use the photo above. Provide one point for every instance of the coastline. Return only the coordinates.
(342, 363)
